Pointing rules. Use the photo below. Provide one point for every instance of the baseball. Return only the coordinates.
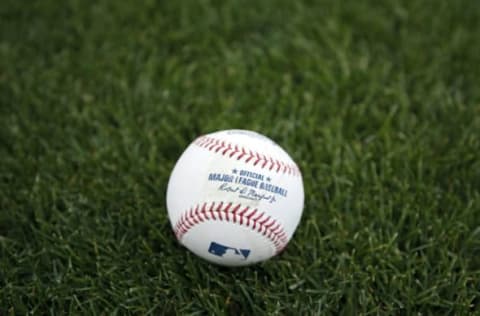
(235, 198)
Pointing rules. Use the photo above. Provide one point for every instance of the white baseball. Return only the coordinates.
(235, 197)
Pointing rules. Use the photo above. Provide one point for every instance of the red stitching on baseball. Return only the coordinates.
(261, 223)
(242, 213)
(247, 155)
(235, 209)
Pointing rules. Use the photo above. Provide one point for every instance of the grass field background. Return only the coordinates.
(377, 101)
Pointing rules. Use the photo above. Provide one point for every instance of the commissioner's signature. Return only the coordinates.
(247, 193)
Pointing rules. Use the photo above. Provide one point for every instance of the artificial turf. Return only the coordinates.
(377, 101)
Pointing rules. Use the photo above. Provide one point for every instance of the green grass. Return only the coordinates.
(378, 102)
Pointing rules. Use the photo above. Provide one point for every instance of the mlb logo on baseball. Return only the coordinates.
(235, 198)
(220, 250)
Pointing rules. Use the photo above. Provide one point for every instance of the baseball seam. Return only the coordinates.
(228, 212)
(248, 156)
